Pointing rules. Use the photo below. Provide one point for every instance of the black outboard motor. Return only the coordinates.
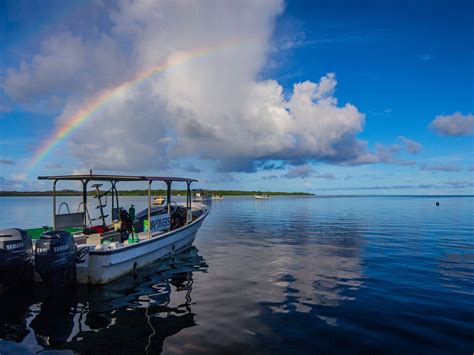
(55, 258)
(16, 262)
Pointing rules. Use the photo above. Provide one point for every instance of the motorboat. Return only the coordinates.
(159, 200)
(201, 196)
(78, 249)
(262, 197)
(217, 197)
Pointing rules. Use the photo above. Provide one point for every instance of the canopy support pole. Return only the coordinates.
(112, 198)
(188, 194)
(149, 209)
(189, 212)
(54, 204)
(168, 195)
(84, 200)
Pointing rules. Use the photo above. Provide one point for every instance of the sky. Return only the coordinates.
(327, 97)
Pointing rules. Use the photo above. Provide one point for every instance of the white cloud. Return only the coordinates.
(456, 124)
(67, 65)
(212, 107)
(410, 145)
(301, 171)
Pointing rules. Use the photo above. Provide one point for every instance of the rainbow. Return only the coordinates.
(95, 105)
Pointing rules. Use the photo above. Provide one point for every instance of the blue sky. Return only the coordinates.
(268, 115)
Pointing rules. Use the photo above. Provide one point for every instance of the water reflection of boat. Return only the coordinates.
(14, 311)
(55, 321)
(128, 316)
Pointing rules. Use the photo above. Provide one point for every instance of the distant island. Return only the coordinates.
(154, 193)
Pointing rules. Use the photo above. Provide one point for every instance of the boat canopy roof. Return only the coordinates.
(114, 178)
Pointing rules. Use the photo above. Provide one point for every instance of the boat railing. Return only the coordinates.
(63, 204)
(68, 220)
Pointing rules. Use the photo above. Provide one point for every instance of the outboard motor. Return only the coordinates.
(16, 262)
(55, 258)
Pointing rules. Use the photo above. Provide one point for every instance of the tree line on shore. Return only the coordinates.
(153, 192)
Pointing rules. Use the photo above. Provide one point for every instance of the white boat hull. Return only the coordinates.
(102, 267)
(202, 198)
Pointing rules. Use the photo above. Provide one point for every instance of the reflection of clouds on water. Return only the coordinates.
(283, 262)
(328, 272)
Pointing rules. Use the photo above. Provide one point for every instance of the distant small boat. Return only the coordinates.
(217, 197)
(201, 197)
(262, 197)
(159, 200)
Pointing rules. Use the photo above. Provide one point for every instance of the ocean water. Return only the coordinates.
(287, 275)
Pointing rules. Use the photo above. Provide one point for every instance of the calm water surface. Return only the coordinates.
(288, 275)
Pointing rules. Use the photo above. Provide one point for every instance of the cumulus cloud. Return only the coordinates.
(66, 66)
(456, 124)
(213, 107)
(301, 171)
(389, 154)
(410, 145)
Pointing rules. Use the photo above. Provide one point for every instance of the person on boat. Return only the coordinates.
(126, 227)
(178, 218)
